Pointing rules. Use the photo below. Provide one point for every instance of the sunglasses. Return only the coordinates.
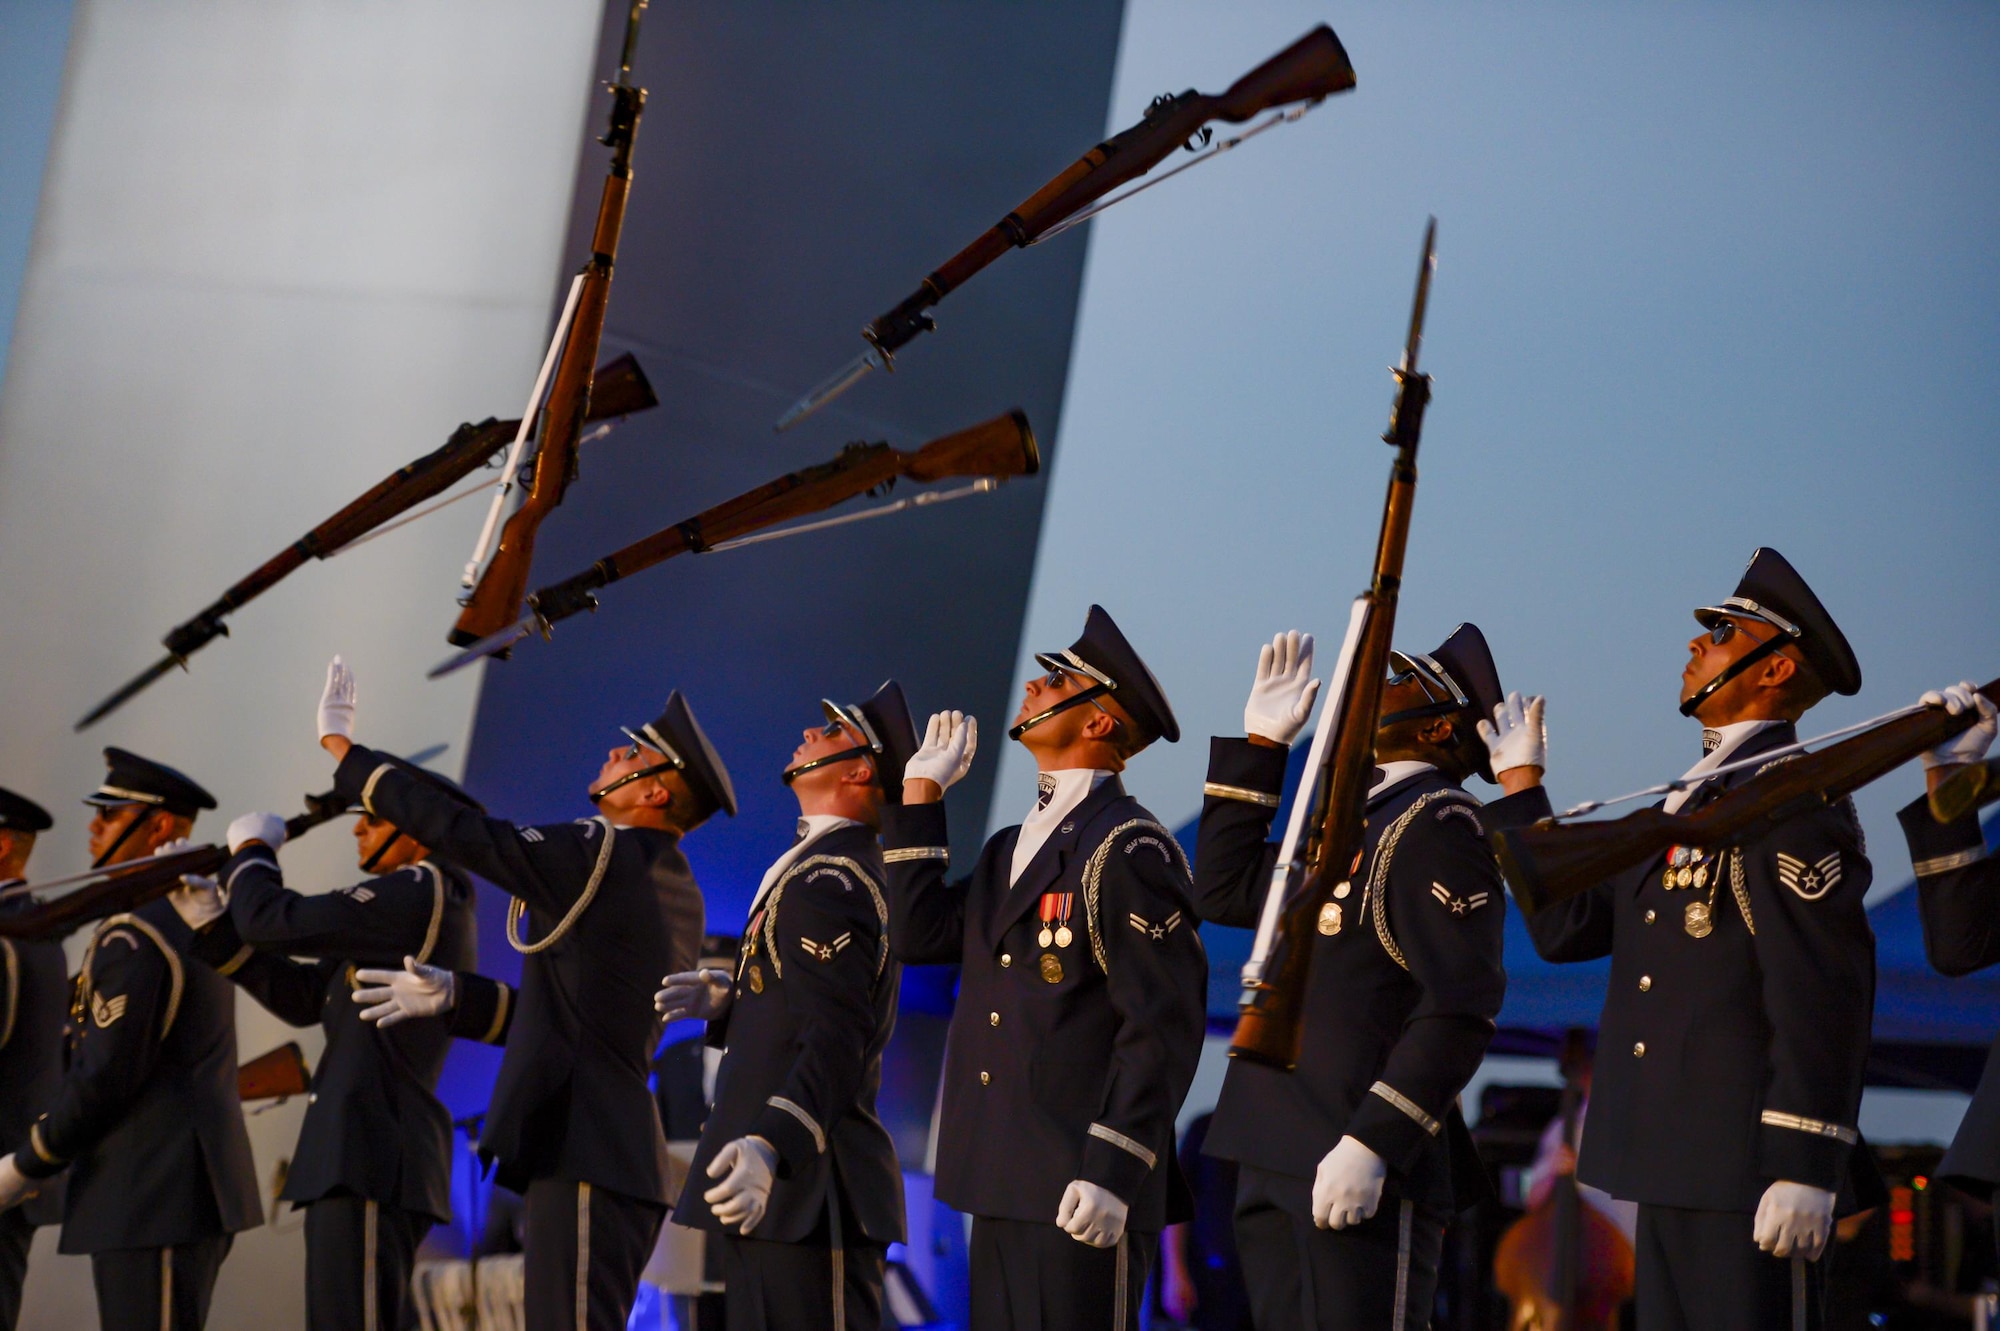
(1725, 629)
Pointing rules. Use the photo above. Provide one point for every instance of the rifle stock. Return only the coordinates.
(1551, 862)
(124, 887)
(496, 600)
(1002, 446)
(1270, 1022)
(622, 390)
(274, 1075)
(1311, 69)
(1968, 789)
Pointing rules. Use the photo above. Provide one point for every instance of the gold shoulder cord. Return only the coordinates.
(13, 990)
(1737, 888)
(81, 1004)
(1093, 879)
(437, 910)
(517, 907)
(1376, 892)
(841, 862)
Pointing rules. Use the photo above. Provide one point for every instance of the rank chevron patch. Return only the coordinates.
(1810, 881)
(825, 951)
(1459, 905)
(104, 1011)
(1156, 932)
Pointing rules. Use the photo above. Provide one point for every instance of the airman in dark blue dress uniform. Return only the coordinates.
(372, 1169)
(1736, 1026)
(610, 905)
(34, 996)
(1081, 1002)
(795, 1178)
(1958, 900)
(146, 1118)
(1353, 1163)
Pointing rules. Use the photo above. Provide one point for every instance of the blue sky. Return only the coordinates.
(1709, 278)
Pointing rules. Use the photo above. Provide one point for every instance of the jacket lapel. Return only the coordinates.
(1052, 861)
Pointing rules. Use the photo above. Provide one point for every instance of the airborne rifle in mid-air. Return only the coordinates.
(1301, 76)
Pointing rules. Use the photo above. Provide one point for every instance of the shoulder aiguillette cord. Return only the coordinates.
(1762, 756)
(1303, 74)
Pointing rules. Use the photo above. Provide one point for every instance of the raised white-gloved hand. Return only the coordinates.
(268, 828)
(416, 990)
(945, 756)
(1516, 736)
(704, 995)
(336, 701)
(1092, 1214)
(198, 901)
(746, 1167)
(1282, 697)
(15, 1187)
(1967, 746)
(1793, 1218)
(1347, 1186)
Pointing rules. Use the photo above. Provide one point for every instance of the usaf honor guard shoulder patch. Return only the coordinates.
(1810, 881)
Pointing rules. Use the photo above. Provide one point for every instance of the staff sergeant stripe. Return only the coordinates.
(1244, 793)
(1772, 1118)
(1408, 1106)
(1946, 863)
(908, 853)
(1123, 1143)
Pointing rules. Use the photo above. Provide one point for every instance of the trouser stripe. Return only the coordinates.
(370, 1296)
(1405, 1214)
(582, 1256)
(166, 1289)
(1118, 1313)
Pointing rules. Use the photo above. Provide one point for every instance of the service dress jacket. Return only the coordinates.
(1737, 1021)
(1958, 900)
(812, 1009)
(34, 1001)
(374, 1126)
(1405, 985)
(1063, 1062)
(609, 910)
(147, 1117)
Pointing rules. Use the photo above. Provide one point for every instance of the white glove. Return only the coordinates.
(1793, 1218)
(15, 1187)
(1093, 1215)
(1282, 697)
(1967, 746)
(336, 701)
(1516, 736)
(198, 901)
(703, 995)
(416, 990)
(746, 1167)
(945, 756)
(1347, 1186)
(268, 828)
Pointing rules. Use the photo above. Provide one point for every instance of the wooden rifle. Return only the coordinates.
(1003, 446)
(1308, 71)
(1322, 850)
(1971, 787)
(123, 887)
(1553, 861)
(622, 390)
(497, 599)
(276, 1075)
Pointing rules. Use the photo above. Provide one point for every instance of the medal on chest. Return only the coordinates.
(1690, 869)
(1056, 909)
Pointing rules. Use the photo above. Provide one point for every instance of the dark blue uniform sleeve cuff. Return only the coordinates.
(914, 827)
(219, 945)
(484, 1010)
(1520, 810)
(1116, 1162)
(794, 1133)
(1393, 1126)
(1803, 1150)
(1940, 847)
(1238, 769)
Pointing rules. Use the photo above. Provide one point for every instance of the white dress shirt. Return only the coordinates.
(1056, 795)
